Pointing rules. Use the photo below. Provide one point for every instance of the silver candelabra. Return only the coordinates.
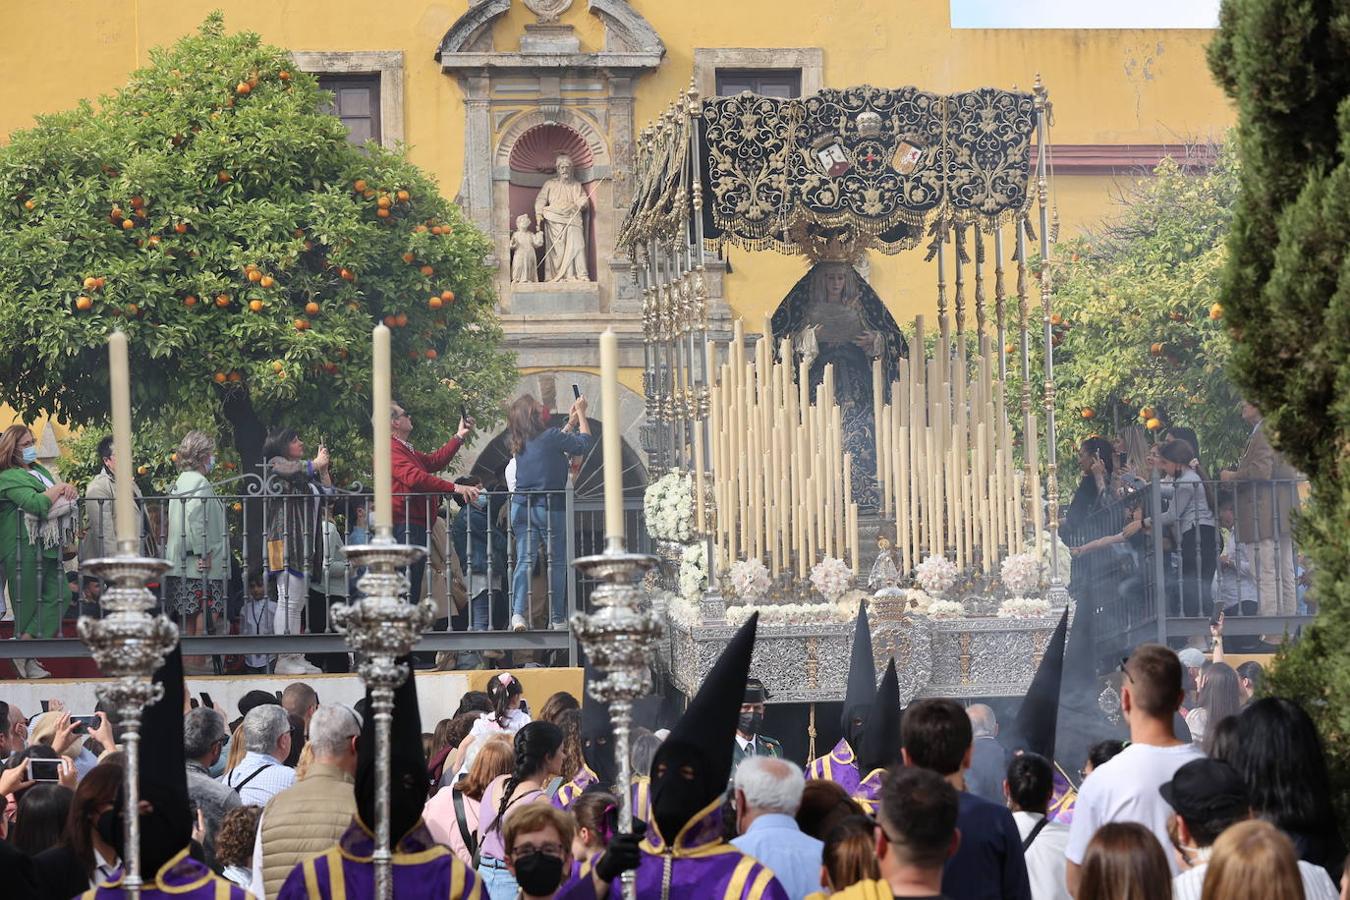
(129, 644)
(380, 627)
(618, 639)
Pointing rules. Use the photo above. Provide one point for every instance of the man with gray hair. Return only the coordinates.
(988, 759)
(768, 795)
(203, 741)
(262, 773)
(310, 816)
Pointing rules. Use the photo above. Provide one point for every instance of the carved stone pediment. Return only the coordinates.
(630, 41)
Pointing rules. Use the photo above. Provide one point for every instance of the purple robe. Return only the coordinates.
(868, 790)
(569, 792)
(1063, 799)
(422, 868)
(702, 865)
(181, 878)
(840, 766)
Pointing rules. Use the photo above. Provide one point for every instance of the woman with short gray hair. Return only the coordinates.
(198, 545)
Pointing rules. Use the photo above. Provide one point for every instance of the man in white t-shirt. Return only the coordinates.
(1125, 789)
(1029, 785)
(1209, 796)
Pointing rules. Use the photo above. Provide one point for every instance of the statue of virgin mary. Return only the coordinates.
(833, 316)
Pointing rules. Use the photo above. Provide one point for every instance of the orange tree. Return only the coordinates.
(214, 213)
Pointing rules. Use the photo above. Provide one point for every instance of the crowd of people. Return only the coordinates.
(497, 803)
(213, 587)
(1223, 545)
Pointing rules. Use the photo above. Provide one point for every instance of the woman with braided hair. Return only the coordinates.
(539, 760)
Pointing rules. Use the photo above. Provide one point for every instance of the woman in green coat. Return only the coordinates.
(37, 518)
(198, 543)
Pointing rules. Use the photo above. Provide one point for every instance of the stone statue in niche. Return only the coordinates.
(524, 261)
(560, 209)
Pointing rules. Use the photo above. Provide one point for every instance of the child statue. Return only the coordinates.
(525, 262)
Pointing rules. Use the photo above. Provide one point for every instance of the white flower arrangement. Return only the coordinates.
(936, 575)
(681, 610)
(669, 506)
(1021, 574)
(918, 600)
(946, 609)
(694, 571)
(831, 577)
(785, 613)
(749, 579)
(1024, 608)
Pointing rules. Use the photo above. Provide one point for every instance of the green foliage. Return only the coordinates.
(1137, 335)
(1286, 63)
(213, 174)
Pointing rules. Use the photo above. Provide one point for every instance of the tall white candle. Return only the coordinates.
(124, 504)
(381, 403)
(613, 448)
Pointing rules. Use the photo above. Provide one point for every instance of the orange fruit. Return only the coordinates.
(360, 185)
(90, 283)
(101, 282)
(347, 274)
(242, 88)
(435, 229)
(181, 227)
(342, 353)
(128, 224)
(301, 324)
(255, 305)
(267, 281)
(1153, 424)
(448, 296)
(1155, 349)
(84, 304)
(382, 213)
(1009, 349)
(29, 205)
(401, 319)
(431, 353)
(1216, 312)
(390, 322)
(277, 367)
(312, 308)
(222, 300)
(284, 75)
(383, 203)
(220, 377)
(137, 202)
(254, 275)
(237, 507)
(154, 240)
(434, 303)
(1088, 412)
(189, 301)
(402, 196)
(408, 257)
(234, 377)
(133, 309)
(428, 271)
(222, 176)
(368, 194)
(420, 229)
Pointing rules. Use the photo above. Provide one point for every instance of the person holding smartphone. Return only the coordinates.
(538, 509)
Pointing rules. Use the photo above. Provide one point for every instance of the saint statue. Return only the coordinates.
(834, 317)
(560, 210)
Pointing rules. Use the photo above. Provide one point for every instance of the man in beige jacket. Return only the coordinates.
(309, 817)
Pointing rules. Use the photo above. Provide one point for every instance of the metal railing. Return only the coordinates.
(257, 562)
(1158, 561)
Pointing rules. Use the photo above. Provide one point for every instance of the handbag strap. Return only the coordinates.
(470, 839)
(252, 775)
(1035, 831)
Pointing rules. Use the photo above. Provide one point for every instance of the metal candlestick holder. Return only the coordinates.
(129, 644)
(380, 627)
(618, 638)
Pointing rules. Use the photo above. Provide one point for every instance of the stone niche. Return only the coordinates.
(523, 105)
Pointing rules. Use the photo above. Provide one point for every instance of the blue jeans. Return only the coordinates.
(416, 535)
(536, 520)
(500, 883)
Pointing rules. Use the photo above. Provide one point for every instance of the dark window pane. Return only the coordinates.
(766, 82)
(356, 101)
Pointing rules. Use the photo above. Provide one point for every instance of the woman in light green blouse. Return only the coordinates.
(198, 544)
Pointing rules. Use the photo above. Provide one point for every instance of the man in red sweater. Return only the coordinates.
(414, 474)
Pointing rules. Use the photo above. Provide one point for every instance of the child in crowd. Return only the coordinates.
(256, 618)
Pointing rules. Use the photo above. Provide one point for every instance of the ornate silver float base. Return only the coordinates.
(619, 638)
(380, 627)
(129, 644)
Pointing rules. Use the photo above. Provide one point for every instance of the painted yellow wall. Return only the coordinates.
(1107, 86)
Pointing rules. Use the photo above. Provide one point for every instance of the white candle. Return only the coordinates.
(124, 507)
(382, 402)
(613, 458)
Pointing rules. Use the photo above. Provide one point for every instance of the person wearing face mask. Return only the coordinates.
(481, 549)
(37, 518)
(840, 765)
(683, 855)
(421, 867)
(100, 536)
(749, 741)
(197, 547)
(538, 842)
(166, 818)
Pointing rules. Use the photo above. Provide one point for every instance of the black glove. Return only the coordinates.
(622, 855)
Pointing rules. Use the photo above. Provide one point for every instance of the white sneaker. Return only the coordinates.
(518, 622)
(295, 664)
(35, 669)
(558, 626)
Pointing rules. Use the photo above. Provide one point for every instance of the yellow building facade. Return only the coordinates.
(482, 92)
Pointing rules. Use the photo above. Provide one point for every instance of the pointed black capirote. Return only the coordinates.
(1038, 717)
(881, 739)
(693, 765)
(162, 768)
(862, 677)
(408, 764)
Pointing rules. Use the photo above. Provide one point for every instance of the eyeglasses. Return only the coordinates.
(549, 849)
(1124, 671)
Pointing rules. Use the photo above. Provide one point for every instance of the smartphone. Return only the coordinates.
(206, 701)
(44, 769)
(84, 723)
(46, 706)
(576, 392)
(1216, 616)
(192, 701)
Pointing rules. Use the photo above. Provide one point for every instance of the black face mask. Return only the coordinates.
(750, 722)
(539, 874)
